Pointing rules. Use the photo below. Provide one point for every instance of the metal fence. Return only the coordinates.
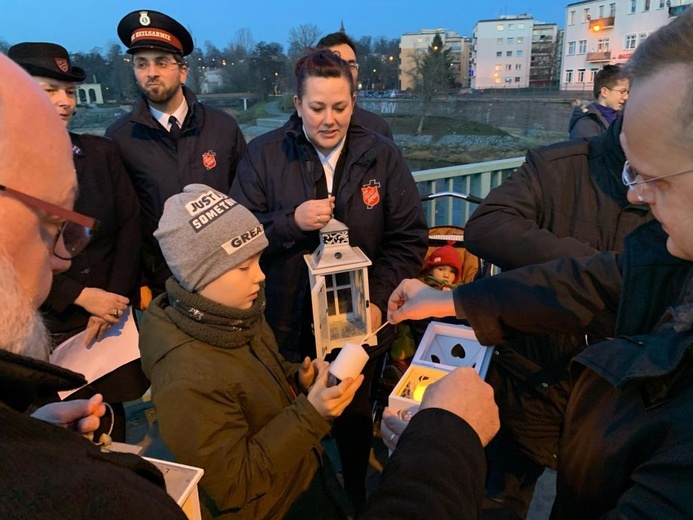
(473, 179)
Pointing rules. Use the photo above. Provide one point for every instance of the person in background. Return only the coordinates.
(442, 269)
(344, 47)
(170, 139)
(295, 179)
(97, 288)
(566, 200)
(226, 400)
(611, 86)
(48, 469)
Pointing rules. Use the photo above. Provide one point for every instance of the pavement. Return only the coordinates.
(142, 429)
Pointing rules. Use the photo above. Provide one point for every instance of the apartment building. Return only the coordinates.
(545, 59)
(501, 54)
(415, 44)
(607, 32)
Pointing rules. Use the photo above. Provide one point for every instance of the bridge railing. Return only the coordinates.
(473, 179)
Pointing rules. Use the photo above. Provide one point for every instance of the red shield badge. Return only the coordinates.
(370, 193)
(209, 159)
(62, 64)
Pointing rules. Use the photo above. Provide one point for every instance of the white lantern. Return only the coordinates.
(339, 290)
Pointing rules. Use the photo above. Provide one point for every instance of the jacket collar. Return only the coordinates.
(25, 381)
(143, 116)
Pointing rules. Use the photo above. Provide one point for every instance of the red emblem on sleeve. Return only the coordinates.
(209, 159)
(62, 64)
(370, 193)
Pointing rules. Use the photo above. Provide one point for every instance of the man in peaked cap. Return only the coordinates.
(170, 139)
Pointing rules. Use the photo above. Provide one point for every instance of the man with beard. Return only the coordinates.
(48, 470)
(170, 139)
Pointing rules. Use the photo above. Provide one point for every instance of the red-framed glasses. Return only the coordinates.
(74, 233)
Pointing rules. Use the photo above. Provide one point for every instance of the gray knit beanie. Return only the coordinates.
(203, 233)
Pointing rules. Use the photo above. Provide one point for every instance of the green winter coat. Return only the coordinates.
(233, 411)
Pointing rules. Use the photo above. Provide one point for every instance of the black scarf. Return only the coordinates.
(213, 322)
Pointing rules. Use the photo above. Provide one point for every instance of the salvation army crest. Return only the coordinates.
(209, 159)
(370, 193)
(144, 18)
(62, 64)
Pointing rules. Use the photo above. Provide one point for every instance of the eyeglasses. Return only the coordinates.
(159, 63)
(622, 91)
(630, 175)
(74, 233)
(353, 65)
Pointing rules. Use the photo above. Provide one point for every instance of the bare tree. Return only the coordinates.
(244, 40)
(301, 38)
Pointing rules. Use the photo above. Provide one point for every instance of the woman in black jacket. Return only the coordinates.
(320, 165)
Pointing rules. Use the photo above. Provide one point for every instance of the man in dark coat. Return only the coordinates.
(566, 200)
(627, 445)
(47, 470)
(343, 46)
(170, 139)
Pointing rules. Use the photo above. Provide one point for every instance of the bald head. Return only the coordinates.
(35, 158)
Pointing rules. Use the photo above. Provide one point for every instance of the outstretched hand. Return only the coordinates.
(414, 300)
(81, 415)
(314, 214)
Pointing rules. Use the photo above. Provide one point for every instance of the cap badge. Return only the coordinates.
(62, 64)
(370, 193)
(209, 159)
(144, 18)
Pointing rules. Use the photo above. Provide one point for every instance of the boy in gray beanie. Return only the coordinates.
(226, 400)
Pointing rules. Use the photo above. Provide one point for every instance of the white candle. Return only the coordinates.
(349, 362)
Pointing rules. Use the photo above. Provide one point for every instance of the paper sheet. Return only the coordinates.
(117, 347)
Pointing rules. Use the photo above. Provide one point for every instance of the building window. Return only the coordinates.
(633, 6)
(499, 41)
(498, 67)
(586, 15)
(497, 80)
(509, 54)
(630, 41)
(571, 48)
(601, 11)
(518, 66)
(582, 46)
(646, 5)
(520, 26)
(520, 39)
(517, 79)
(511, 40)
(499, 54)
(511, 26)
(500, 27)
(519, 53)
(662, 3)
(581, 75)
(568, 76)
(641, 37)
(571, 18)
(593, 73)
(612, 9)
(603, 45)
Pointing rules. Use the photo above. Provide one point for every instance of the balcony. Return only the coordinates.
(598, 57)
(599, 24)
(675, 10)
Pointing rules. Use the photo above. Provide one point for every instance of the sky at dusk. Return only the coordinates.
(81, 25)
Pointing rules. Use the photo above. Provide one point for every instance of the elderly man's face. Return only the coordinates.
(45, 171)
(654, 143)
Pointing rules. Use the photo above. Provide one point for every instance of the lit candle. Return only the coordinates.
(420, 389)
